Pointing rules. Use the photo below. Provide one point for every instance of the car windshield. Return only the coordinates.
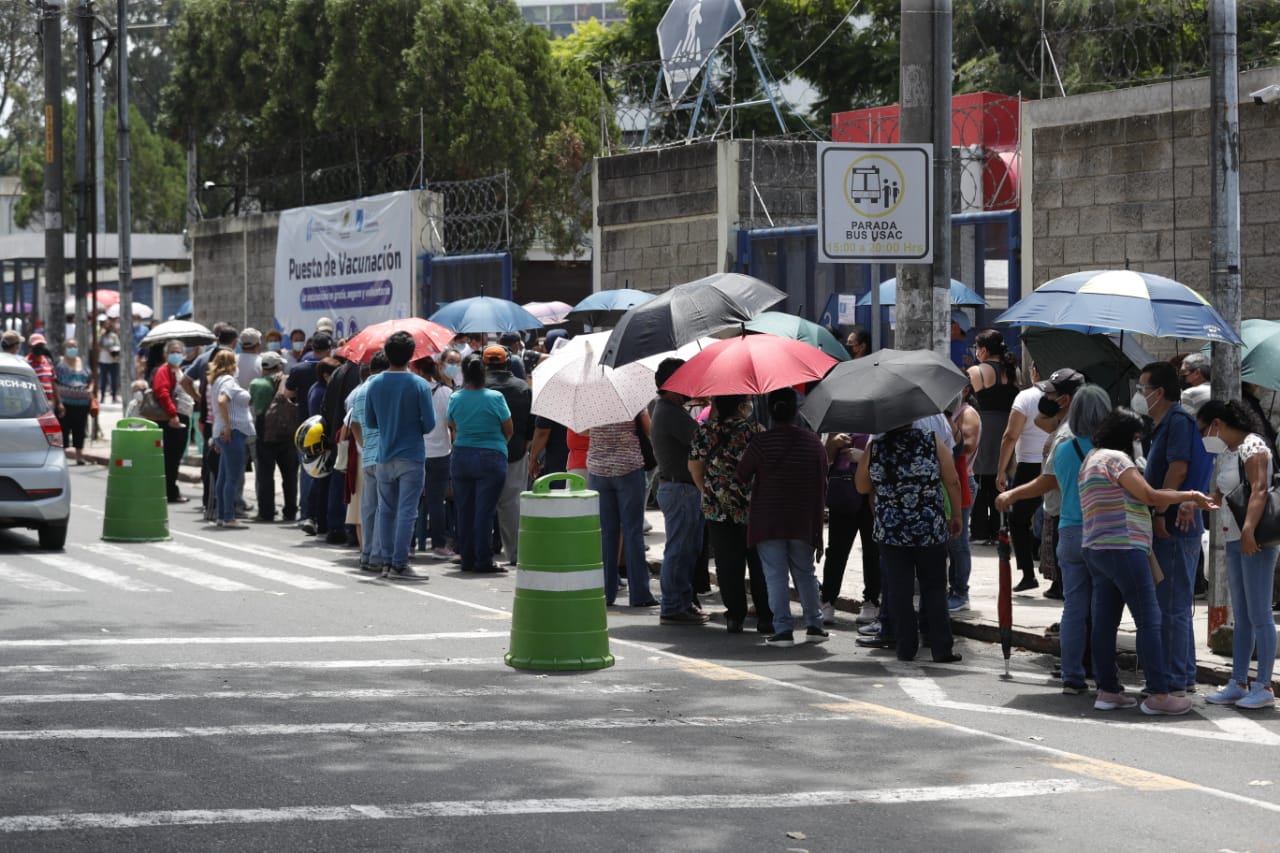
(20, 397)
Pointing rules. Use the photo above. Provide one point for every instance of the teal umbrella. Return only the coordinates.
(961, 294)
(798, 329)
(1260, 355)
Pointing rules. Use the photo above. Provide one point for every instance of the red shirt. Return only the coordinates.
(44, 372)
(578, 445)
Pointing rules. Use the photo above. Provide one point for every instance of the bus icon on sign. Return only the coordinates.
(864, 184)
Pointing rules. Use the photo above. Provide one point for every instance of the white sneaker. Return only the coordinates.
(828, 613)
(871, 629)
(648, 526)
(869, 613)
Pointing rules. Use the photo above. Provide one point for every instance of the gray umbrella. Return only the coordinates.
(687, 312)
(885, 390)
(1111, 361)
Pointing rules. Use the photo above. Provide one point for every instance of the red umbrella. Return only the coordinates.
(429, 338)
(749, 364)
(1004, 601)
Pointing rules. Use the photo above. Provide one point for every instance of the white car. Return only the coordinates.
(35, 487)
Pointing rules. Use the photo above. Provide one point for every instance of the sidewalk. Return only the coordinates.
(1032, 612)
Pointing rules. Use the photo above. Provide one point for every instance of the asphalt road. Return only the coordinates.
(251, 690)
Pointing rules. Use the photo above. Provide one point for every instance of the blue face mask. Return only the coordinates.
(297, 345)
(72, 352)
(175, 358)
(452, 370)
(273, 346)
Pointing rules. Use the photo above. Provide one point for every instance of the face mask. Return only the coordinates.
(273, 346)
(1049, 408)
(175, 358)
(296, 346)
(452, 370)
(1213, 444)
(1139, 403)
(72, 352)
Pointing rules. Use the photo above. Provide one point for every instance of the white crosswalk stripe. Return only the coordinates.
(35, 582)
(181, 573)
(293, 579)
(97, 574)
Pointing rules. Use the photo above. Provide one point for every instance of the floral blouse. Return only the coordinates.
(719, 445)
(907, 480)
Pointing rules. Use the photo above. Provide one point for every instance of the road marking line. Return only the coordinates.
(95, 573)
(434, 692)
(716, 672)
(287, 578)
(407, 727)
(38, 583)
(406, 663)
(926, 691)
(192, 576)
(237, 641)
(588, 805)
(1126, 777)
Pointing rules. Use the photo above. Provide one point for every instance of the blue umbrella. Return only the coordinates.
(183, 312)
(479, 314)
(1121, 301)
(608, 304)
(960, 294)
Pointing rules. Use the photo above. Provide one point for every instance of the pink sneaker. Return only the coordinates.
(443, 553)
(1111, 701)
(1169, 706)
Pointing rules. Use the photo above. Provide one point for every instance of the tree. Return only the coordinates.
(19, 82)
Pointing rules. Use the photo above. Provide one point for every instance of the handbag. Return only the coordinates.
(183, 401)
(1267, 533)
(151, 409)
(646, 446)
(342, 456)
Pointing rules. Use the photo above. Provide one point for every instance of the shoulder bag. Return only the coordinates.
(1267, 533)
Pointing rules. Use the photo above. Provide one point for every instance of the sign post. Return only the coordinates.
(875, 203)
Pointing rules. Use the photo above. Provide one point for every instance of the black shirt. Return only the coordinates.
(519, 400)
(672, 432)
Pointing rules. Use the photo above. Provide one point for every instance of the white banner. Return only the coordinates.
(352, 262)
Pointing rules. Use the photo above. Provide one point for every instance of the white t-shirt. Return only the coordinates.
(437, 441)
(249, 368)
(1229, 478)
(1030, 446)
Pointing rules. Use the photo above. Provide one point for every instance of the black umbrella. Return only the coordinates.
(1110, 361)
(885, 390)
(687, 312)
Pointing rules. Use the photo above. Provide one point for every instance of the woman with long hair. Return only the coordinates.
(1116, 541)
(1230, 431)
(479, 426)
(994, 380)
(232, 428)
(74, 380)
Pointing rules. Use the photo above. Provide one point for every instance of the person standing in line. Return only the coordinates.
(297, 387)
(786, 468)
(848, 516)
(1022, 450)
(1231, 433)
(994, 380)
(373, 555)
(966, 430)
(480, 428)
(274, 442)
(232, 428)
(398, 404)
(196, 383)
(678, 497)
(109, 362)
(438, 450)
(1176, 460)
(74, 382)
(41, 362)
(615, 469)
(165, 379)
(499, 377)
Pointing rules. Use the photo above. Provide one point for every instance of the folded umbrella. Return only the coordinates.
(687, 312)
(887, 389)
(428, 339)
(749, 364)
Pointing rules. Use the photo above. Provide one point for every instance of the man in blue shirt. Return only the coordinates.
(1177, 460)
(398, 405)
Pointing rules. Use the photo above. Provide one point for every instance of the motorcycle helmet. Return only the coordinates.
(309, 439)
(318, 467)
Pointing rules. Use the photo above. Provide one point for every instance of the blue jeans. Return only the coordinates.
(478, 475)
(961, 557)
(622, 501)
(371, 550)
(904, 566)
(1177, 556)
(1250, 579)
(1077, 600)
(399, 486)
(790, 558)
(681, 506)
(1120, 578)
(230, 474)
(433, 499)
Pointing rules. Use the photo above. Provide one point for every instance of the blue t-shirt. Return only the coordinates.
(477, 415)
(1177, 439)
(368, 434)
(398, 405)
(1066, 468)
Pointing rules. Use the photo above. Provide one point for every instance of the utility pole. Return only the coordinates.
(925, 108)
(1224, 272)
(54, 272)
(124, 210)
(83, 189)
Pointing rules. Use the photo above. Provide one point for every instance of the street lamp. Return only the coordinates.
(235, 189)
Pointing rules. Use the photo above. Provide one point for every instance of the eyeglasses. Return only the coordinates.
(1142, 387)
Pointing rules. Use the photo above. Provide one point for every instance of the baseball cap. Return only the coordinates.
(509, 338)
(38, 338)
(272, 360)
(251, 337)
(1063, 381)
(321, 342)
(325, 324)
(11, 338)
(496, 354)
(961, 319)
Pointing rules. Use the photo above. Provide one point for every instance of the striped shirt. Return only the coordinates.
(1113, 519)
(614, 450)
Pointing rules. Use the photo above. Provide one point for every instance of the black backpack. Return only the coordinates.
(281, 419)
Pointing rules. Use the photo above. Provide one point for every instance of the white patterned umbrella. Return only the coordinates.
(573, 388)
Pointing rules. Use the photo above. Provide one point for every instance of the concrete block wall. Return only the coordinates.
(1124, 176)
(233, 269)
(784, 174)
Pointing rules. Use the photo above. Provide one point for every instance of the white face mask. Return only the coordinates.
(1139, 403)
(1213, 444)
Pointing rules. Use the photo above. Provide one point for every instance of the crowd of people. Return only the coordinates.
(430, 454)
